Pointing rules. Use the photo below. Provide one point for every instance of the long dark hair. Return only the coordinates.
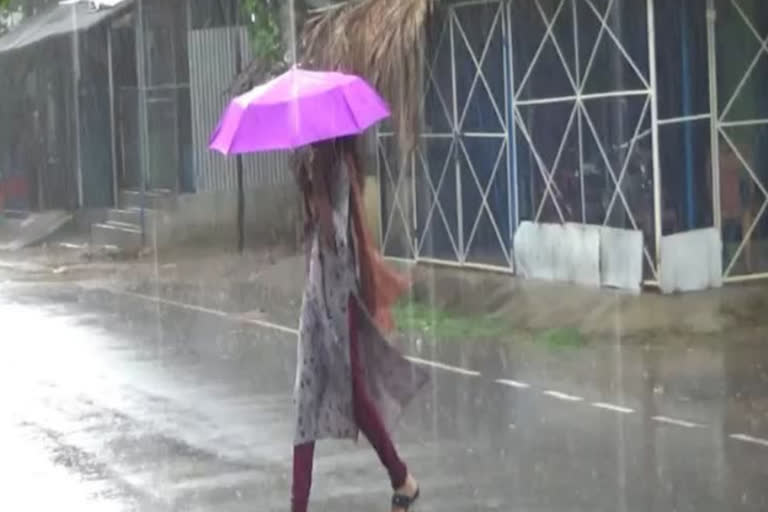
(323, 157)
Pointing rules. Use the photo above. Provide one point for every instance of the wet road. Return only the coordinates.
(115, 401)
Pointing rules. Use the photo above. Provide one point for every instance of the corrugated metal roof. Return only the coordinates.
(211, 69)
(56, 21)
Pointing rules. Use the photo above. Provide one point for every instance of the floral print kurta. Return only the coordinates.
(323, 388)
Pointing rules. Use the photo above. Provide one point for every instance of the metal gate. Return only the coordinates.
(740, 134)
(453, 202)
(583, 111)
(588, 111)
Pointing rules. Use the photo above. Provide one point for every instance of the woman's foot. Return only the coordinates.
(406, 495)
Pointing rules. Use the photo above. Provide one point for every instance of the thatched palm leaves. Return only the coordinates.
(382, 41)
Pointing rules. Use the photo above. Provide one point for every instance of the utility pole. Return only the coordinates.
(239, 158)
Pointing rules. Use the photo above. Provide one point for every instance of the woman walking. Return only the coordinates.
(348, 377)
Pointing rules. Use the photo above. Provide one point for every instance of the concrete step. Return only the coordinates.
(123, 235)
(131, 216)
(152, 200)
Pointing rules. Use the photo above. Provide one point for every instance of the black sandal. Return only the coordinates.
(404, 502)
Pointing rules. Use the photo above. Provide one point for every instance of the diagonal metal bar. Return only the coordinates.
(635, 137)
(744, 79)
(607, 163)
(397, 184)
(557, 47)
(539, 161)
(648, 259)
(748, 22)
(744, 162)
(440, 97)
(593, 52)
(618, 43)
(484, 199)
(760, 213)
(388, 172)
(479, 75)
(537, 55)
(431, 77)
(763, 48)
(436, 200)
(746, 238)
(556, 164)
(396, 202)
(484, 191)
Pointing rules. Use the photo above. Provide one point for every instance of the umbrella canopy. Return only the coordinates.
(295, 109)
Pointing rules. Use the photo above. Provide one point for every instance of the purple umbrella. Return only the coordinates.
(295, 109)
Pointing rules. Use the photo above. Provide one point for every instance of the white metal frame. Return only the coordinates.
(579, 117)
(498, 25)
(396, 207)
(579, 123)
(455, 110)
(720, 129)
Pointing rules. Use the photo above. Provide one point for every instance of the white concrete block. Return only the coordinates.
(691, 261)
(556, 252)
(621, 258)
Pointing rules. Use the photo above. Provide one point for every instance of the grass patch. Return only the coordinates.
(564, 337)
(417, 317)
(413, 316)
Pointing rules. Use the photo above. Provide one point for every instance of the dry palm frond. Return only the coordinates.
(382, 41)
(256, 72)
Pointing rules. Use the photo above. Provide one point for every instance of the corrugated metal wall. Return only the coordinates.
(212, 67)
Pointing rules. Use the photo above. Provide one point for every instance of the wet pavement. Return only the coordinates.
(139, 398)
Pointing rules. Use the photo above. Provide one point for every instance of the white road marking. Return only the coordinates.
(272, 325)
(749, 439)
(209, 311)
(513, 383)
(676, 422)
(425, 362)
(612, 407)
(442, 366)
(563, 396)
(278, 327)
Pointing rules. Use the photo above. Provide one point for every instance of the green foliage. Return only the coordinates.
(262, 19)
(11, 11)
(563, 337)
(411, 316)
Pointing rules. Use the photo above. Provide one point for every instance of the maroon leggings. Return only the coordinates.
(367, 419)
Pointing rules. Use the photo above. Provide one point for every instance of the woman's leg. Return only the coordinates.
(303, 457)
(366, 415)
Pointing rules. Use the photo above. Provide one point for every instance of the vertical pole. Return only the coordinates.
(509, 94)
(381, 191)
(714, 115)
(717, 214)
(456, 140)
(76, 96)
(620, 116)
(178, 150)
(685, 84)
(112, 121)
(657, 188)
(414, 235)
(141, 78)
(513, 123)
(239, 158)
(579, 120)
